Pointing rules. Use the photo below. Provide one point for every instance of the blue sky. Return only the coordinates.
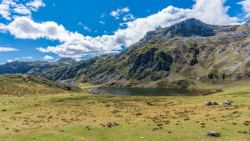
(82, 28)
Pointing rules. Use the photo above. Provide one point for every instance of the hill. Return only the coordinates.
(27, 85)
(188, 52)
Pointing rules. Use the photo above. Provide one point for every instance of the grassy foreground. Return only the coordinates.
(82, 117)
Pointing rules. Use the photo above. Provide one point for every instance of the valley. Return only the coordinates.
(81, 116)
(189, 81)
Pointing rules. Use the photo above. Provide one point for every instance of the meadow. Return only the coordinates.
(81, 116)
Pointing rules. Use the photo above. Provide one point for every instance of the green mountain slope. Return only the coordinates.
(186, 52)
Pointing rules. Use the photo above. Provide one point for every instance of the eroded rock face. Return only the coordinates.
(152, 61)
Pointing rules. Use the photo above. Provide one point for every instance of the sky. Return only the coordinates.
(51, 29)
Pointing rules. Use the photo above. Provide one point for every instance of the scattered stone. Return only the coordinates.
(87, 127)
(4, 110)
(150, 104)
(17, 113)
(242, 132)
(16, 130)
(209, 103)
(138, 114)
(227, 102)
(159, 124)
(115, 111)
(213, 134)
(215, 103)
(246, 123)
(103, 125)
(155, 129)
(112, 124)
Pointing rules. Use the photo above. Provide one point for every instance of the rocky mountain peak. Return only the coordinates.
(66, 60)
(187, 28)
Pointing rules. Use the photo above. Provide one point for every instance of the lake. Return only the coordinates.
(149, 91)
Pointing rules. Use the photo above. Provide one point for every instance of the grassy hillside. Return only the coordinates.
(26, 85)
(83, 117)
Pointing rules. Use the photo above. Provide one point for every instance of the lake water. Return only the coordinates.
(148, 91)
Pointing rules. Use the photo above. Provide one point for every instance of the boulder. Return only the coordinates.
(210, 103)
(213, 134)
(112, 124)
(227, 102)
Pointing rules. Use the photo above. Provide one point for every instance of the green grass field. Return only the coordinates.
(82, 116)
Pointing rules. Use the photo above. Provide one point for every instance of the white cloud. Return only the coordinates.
(47, 57)
(25, 28)
(76, 45)
(246, 7)
(102, 22)
(27, 58)
(13, 8)
(118, 12)
(212, 12)
(24, 58)
(86, 28)
(21, 9)
(35, 4)
(10, 60)
(128, 17)
(7, 49)
(5, 8)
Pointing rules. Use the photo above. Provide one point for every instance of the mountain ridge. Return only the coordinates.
(187, 51)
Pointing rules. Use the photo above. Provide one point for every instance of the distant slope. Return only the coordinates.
(26, 85)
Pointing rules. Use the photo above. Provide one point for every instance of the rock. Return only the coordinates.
(138, 114)
(215, 103)
(115, 111)
(246, 123)
(213, 134)
(209, 103)
(227, 102)
(17, 113)
(88, 128)
(112, 124)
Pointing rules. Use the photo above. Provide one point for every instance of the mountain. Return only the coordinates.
(186, 52)
(67, 61)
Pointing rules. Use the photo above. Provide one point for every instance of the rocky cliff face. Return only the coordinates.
(188, 51)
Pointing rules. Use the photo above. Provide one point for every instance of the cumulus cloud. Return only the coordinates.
(116, 13)
(7, 49)
(5, 8)
(212, 12)
(21, 9)
(123, 14)
(76, 45)
(35, 4)
(13, 8)
(246, 7)
(47, 57)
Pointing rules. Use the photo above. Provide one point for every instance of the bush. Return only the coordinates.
(183, 84)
